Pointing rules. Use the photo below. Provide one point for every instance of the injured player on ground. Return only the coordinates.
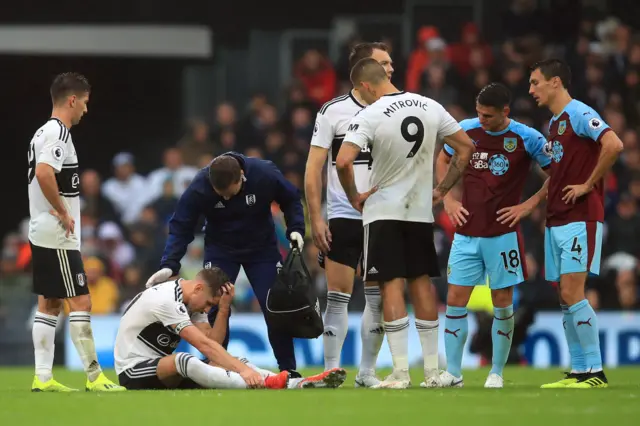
(159, 317)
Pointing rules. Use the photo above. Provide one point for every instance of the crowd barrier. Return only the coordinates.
(544, 347)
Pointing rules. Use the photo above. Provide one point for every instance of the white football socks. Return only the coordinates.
(336, 325)
(371, 331)
(82, 337)
(398, 339)
(207, 376)
(428, 332)
(44, 336)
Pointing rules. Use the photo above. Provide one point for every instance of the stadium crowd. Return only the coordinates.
(124, 215)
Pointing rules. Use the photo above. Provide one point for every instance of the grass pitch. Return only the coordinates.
(521, 402)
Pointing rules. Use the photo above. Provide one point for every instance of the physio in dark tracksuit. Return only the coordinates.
(234, 193)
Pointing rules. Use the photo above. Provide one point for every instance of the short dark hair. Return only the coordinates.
(214, 277)
(554, 68)
(364, 50)
(224, 171)
(495, 95)
(68, 83)
(367, 70)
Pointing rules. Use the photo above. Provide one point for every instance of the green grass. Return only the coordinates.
(521, 402)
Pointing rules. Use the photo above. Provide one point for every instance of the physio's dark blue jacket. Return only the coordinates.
(240, 229)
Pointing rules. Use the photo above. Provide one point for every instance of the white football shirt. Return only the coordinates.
(332, 123)
(401, 130)
(146, 331)
(52, 145)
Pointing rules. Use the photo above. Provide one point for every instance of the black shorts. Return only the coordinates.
(399, 249)
(144, 376)
(347, 240)
(58, 273)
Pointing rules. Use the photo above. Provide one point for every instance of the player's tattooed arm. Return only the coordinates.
(454, 173)
(464, 149)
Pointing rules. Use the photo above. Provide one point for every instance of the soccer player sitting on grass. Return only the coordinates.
(158, 318)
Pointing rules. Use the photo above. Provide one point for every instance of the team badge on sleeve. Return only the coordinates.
(251, 199)
(57, 152)
(315, 128)
(562, 126)
(510, 144)
(594, 123)
(181, 309)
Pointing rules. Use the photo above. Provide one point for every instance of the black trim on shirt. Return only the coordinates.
(402, 92)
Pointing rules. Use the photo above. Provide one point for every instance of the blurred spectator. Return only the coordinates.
(10, 254)
(274, 146)
(127, 190)
(301, 128)
(92, 200)
(523, 19)
(191, 263)
(165, 205)
(104, 291)
(147, 237)
(470, 45)
(437, 87)
(317, 75)
(174, 169)
(437, 57)
(112, 245)
(297, 98)
(196, 143)
(253, 151)
(262, 118)
(419, 58)
(227, 142)
(204, 160)
(623, 229)
(225, 119)
(132, 284)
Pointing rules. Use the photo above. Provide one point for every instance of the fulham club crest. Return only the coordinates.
(251, 199)
(81, 281)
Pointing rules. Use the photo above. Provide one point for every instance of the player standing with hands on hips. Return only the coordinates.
(401, 129)
(54, 235)
(234, 193)
(487, 241)
(341, 241)
(582, 148)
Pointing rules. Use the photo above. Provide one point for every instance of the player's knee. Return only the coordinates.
(458, 295)
(80, 303)
(571, 292)
(49, 306)
(502, 298)
(339, 277)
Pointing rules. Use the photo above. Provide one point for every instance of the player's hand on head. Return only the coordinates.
(159, 277)
(514, 214)
(252, 378)
(457, 214)
(228, 293)
(297, 240)
(66, 220)
(573, 192)
(321, 235)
